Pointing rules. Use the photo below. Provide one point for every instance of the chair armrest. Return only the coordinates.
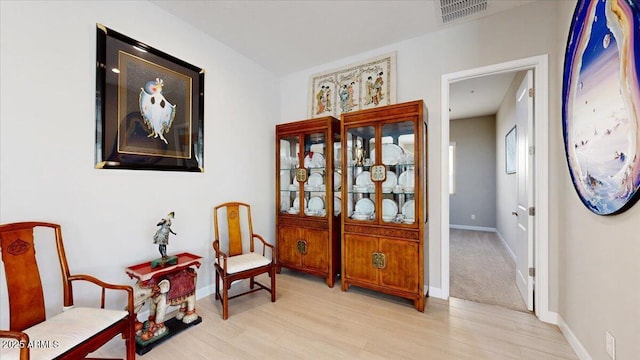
(220, 254)
(22, 341)
(104, 286)
(265, 245)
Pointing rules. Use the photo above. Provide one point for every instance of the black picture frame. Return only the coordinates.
(510, 150)
(149, 107)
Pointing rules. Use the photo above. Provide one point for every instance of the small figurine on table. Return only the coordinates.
(162, 239)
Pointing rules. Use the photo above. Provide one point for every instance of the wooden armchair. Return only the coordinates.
(72, 334)
(239, 260)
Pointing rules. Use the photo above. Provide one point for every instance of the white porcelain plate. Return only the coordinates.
(316, 203)
(315, 179)
(337, 205)
(389, 207)
(364, 179)
(407, 178)
(365, 206)
(361, 216)
(409, 209)
(315, 161)
(391, 154)
(296, 203)
(337, 180)
(391, 180)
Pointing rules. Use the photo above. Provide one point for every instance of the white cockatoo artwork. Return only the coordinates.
(157, 112)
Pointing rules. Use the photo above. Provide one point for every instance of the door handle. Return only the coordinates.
(515, 213)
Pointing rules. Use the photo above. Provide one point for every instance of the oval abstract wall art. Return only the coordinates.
(601, 104)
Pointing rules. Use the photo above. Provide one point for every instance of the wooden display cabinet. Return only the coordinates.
(308, 197)
(384, 195)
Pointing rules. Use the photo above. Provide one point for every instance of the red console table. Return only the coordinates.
(161, 287)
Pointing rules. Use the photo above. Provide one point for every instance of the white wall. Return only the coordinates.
(526, 31)
(599, 256)
(47, 132)
(474, 201)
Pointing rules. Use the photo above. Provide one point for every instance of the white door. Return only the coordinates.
(524, 170)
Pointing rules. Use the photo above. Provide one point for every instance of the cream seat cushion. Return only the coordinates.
(244, 262)
(64, 331)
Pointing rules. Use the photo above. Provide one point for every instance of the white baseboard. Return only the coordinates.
(435, 292)
(476, 228)
(205, 291)
(550, 317)
(575, 344)
(487, 229)
(506, 246)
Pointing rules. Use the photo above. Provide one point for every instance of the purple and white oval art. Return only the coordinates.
(601, 104)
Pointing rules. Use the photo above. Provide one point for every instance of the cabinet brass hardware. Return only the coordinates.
(379, 260)
(301, 174)
(378, 173)
(302, 247)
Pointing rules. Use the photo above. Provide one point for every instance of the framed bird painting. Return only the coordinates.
(149, 107)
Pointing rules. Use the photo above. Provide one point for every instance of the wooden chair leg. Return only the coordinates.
(130, 343)
(217, 285)
(273, 285)
(225, 300)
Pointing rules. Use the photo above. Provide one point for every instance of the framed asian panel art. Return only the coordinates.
(149, 107)
(354, 87)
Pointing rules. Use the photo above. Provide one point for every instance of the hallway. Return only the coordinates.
(482, 270)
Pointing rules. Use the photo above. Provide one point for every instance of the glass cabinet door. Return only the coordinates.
(397, 157)
(289, 162)
(361, 190)
(337, 175)
(304, 175)
(381, 174)
(315, 164)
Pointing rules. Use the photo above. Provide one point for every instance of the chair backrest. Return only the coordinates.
(234, 225)
(24, 286)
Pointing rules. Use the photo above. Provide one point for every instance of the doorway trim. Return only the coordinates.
(541, 172)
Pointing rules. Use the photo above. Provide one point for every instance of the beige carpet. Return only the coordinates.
(481, 270)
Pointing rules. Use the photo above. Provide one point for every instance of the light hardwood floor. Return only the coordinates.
(311, 321)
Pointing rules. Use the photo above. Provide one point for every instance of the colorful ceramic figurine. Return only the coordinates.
(175, 289)
(162, 235)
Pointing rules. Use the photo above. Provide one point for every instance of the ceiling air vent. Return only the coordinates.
(457, 9)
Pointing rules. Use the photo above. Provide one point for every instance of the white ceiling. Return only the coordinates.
(478, 96)
(289, 36)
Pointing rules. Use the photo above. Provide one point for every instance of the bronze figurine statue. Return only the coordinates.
(162, 234)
